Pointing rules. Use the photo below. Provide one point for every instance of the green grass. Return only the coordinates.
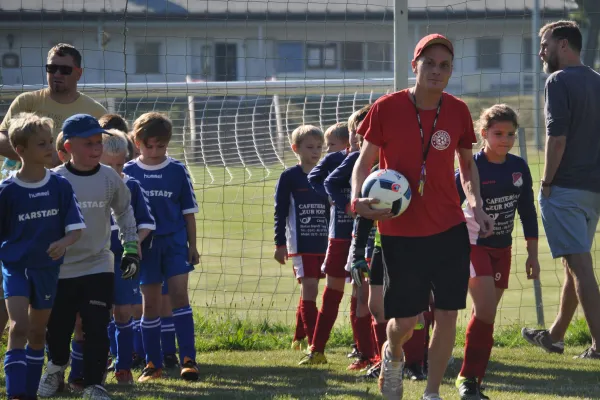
(240, 359)
(525, 373)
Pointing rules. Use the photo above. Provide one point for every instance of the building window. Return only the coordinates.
(379, 56)
(352, 56)
(321, 56)
(147, 58)
(489, 53)
(527, 54)
(290, 57)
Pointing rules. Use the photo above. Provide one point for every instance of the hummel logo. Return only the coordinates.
(39, 194)
(151, 176)
(47, 297)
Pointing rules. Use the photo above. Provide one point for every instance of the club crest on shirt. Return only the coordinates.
(517, 179)
(440, 140)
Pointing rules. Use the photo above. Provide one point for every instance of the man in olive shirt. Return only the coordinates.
(58, 101)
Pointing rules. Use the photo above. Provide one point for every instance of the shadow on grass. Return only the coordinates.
(557, 377)
(256, 382)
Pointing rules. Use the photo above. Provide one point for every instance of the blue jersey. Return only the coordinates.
(505, 188)
(340, 225)
(141, 212)
(338, 188)
(168, 187)
(300, 214)
(34, 215)
(322, 170)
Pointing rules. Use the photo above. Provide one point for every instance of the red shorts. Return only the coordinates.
(336, 258)
(308, 266)
(489, 261)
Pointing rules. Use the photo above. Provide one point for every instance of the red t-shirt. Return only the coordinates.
(392, 125)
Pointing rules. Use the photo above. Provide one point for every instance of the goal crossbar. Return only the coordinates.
(232, 88)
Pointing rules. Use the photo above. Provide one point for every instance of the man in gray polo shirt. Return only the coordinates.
(570, 195)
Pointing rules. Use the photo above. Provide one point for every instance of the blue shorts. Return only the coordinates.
(165, 287)
(570, 218)
(164, 256)
(127, 291)
(37, 284)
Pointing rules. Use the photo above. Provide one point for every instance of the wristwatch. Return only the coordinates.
(546, 184)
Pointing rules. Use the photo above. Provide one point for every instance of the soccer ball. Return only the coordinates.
(390, 187)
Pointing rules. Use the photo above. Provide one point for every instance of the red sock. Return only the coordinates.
(300, 332)
(364, 337)
(478, 347)
(413, 349)
(326, 319)
(353, 305)
(380, 333)
(309, 317)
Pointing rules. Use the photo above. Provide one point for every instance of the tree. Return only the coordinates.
(589, 12)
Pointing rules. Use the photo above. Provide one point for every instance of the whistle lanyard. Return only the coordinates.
(425, 148)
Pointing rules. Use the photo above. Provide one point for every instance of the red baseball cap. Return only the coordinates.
(434, 38)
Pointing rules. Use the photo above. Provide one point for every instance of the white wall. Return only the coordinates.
(257, 49)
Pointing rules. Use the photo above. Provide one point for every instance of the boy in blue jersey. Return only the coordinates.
(336, 141)
(337, 186)
(170, 252)
(506, 187)
(340, 234)
(39, 219)
(126, 290)
(301, 225)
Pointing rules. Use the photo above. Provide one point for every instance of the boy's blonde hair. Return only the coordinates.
(115, 143)
(60, 143)
(25, 125)
(152, 125)
(339, 130)
(304, 131)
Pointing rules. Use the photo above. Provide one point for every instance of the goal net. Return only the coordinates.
(236, 77)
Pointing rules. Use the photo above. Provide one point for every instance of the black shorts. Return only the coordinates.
(415, 266)
(376, 267)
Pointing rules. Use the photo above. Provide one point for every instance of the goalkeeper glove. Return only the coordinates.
(130, 262)
(357, 270)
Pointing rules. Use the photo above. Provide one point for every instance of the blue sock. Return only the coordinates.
(167, 335)
(76, 360)
(124, 339)
(151, 338)
(138, 343)
(35, 364)
(15, 368)
(184, 328)
(111, 336)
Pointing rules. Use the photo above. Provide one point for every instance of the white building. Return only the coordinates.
(168, 40)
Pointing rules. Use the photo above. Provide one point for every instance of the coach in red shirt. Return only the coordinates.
(417, 132)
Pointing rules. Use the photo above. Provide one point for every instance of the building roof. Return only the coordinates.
(272, 10)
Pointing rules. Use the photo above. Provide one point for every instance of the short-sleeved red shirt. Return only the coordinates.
(392, 125)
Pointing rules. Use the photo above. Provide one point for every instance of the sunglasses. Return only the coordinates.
(63, 69)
